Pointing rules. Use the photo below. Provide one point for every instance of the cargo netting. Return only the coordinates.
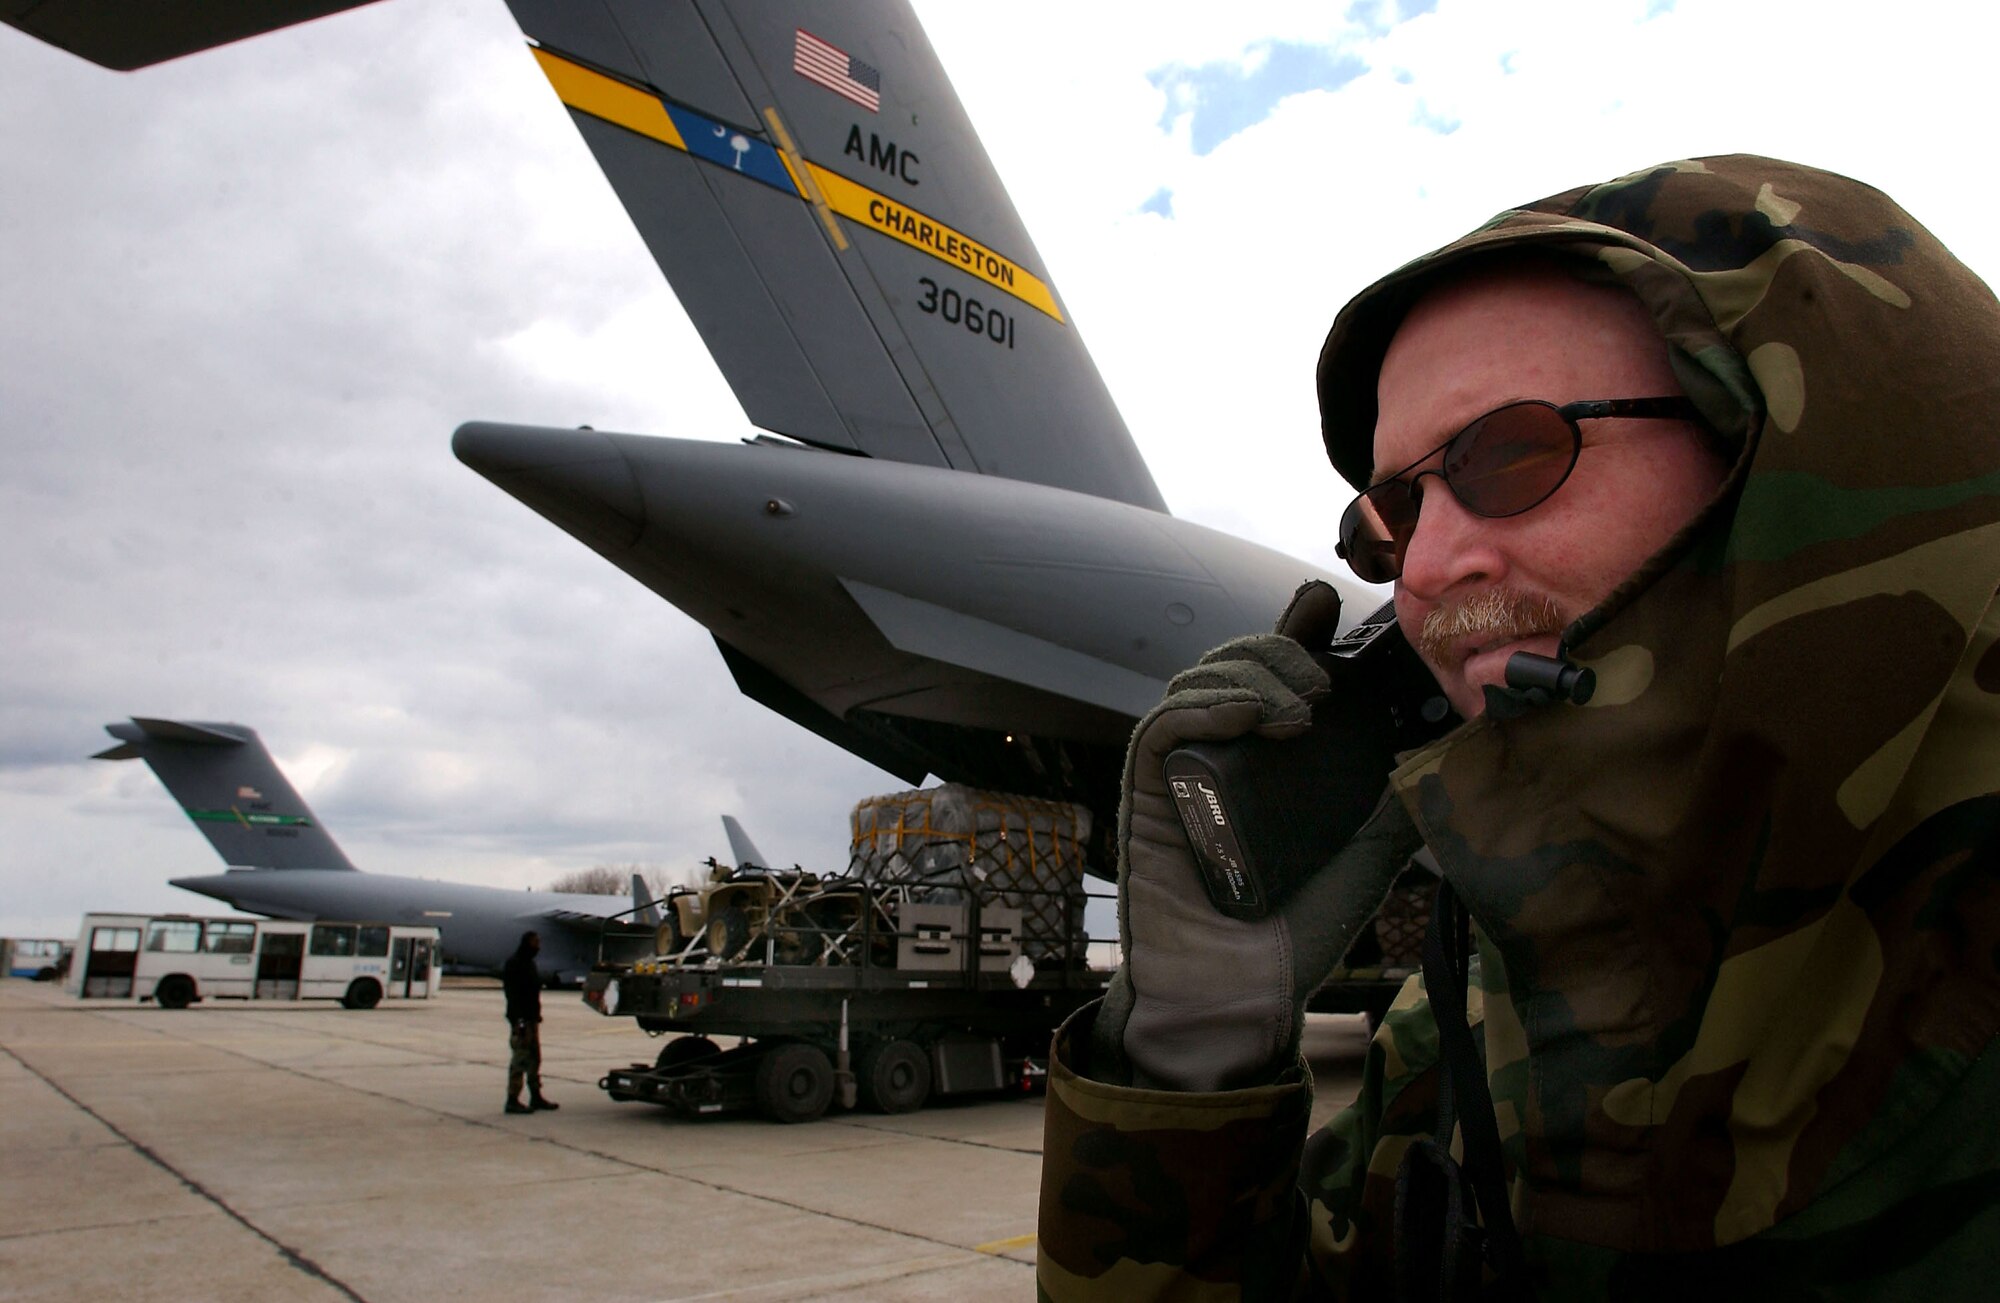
(1404, 918)
(952, 841)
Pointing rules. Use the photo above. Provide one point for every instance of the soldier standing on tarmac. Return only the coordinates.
(1726, 433)
(523, 983)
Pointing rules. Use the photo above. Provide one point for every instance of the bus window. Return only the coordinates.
(374, 942)
(114, 938)
(332, 939)
(229, 938)
(173, 936)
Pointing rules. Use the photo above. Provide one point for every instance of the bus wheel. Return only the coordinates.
(362, 993)
(794, 1082)
(894, 1077)
(174, 992)
(683, 1050)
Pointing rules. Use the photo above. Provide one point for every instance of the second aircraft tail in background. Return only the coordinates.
(228, 784)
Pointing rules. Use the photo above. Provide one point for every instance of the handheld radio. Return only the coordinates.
(1262, 814)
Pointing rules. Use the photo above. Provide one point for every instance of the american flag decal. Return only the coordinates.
(837, 70)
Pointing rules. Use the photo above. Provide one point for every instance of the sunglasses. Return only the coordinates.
(1506, 462)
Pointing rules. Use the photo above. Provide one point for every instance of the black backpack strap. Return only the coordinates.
(1438, 1249)
(1439, 1246)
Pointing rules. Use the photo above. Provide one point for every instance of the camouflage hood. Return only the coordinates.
(1739, 914)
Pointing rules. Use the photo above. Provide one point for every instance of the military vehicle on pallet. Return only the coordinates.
(939, 962)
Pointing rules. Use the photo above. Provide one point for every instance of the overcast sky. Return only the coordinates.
(249, 295)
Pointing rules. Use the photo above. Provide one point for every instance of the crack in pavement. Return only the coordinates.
(971, 1254)
(293, 1257)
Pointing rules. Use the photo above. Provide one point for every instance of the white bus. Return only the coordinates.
(38, 959)
(177, 959)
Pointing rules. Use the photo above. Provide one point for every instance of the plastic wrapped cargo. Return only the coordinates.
(952, 841)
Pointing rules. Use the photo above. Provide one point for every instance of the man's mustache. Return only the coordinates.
(1489, 616)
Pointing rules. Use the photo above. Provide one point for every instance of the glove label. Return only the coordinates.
(1212, 835)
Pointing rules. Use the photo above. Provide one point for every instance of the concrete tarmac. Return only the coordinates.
(305, 1151)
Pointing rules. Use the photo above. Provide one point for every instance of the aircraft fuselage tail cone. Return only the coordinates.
(930, 620)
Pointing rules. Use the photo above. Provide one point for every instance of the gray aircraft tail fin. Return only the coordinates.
(741, 848)
(644, 908)
(228, 784)
(806, 178)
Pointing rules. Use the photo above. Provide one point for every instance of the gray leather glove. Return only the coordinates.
(1204, 1001)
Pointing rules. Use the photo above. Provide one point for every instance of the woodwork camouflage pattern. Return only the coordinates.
(1737, 919)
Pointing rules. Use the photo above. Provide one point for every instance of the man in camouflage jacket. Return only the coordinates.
(1737, 921)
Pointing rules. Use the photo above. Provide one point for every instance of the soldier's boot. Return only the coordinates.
(514, 1104)
(535, 1100)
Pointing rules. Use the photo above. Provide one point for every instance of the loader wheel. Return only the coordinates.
(728, 932)
(174, 992)
(894, 1077)
(683, 1050)
(794, 1082)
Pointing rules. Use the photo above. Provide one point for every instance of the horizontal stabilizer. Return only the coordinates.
(128, 34)
(173, 730)
(227, 783)
(141, 729)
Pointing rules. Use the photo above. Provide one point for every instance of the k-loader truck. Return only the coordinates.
(939, 963)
